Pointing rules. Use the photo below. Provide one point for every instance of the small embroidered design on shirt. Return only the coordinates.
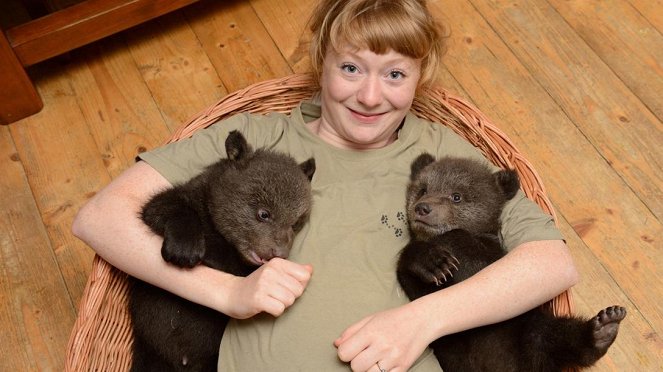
(400, 216)
(398, 230)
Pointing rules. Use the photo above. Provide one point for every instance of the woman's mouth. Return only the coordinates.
(367, 118)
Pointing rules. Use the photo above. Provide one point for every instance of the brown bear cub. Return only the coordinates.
(236, 215)
(453, 210)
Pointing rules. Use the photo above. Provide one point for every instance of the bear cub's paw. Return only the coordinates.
(183, 247)
(436, 266)
(606, 325)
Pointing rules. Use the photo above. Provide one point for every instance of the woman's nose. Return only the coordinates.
(370, 92)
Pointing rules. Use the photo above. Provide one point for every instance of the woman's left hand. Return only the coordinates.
(391, 339)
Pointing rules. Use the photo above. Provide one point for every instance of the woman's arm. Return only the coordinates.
(526, 277)
(110, 224)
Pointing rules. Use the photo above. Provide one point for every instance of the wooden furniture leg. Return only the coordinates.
(60, 32)
(18, 96)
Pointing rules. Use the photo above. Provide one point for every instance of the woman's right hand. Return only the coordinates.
(272, 288)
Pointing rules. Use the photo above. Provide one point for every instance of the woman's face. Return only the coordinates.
(365, 97)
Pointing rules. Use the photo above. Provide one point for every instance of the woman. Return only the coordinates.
(335, 303)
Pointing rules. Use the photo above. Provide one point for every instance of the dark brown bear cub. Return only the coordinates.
(236, 215)
(453, 210)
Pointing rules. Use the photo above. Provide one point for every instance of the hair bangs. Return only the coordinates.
(381, 26)
(404, 26)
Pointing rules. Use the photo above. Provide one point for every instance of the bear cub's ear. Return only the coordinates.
(236, 145)
(308, 167)
(420, 163)
(508, 182)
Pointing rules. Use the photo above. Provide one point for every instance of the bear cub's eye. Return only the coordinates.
(263, 215)
(423, 191)
(298, 225)
(456, 197)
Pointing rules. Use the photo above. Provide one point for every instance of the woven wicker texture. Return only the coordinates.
(101, 338)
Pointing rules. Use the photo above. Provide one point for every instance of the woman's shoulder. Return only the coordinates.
(259, 129)
(442, 140)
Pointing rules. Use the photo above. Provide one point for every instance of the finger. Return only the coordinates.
(379, 367)
(349, 349)
(287, 293)
(366, 360)
(300, 272)
(291, 284)
(280, 284)
(350, 331)
(387, 365)
(273, 306)
(386, 368)
(284, 295)
(280, 287)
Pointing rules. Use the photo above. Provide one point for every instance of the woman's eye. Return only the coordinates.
(395, 75)
(263, 215)
(456, 197)
(352, 69)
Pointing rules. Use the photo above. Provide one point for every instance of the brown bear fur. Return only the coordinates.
(453, 210)
(239, 213)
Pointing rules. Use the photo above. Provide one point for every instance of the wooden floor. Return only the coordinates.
(576, 84)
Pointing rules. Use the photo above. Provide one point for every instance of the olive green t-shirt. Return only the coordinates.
(356, 230)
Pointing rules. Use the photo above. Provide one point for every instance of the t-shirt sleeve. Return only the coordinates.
(182, 160)
(522, 219)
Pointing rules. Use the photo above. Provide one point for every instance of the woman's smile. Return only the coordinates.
(366, 118)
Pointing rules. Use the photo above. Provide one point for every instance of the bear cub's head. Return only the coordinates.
(456, 193)
(260, 200)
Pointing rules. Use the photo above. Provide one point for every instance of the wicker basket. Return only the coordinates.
(101, 338)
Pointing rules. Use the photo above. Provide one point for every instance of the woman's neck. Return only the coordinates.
(322, 131)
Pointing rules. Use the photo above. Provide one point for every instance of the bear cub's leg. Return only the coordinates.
(605, 326)
(570, 342)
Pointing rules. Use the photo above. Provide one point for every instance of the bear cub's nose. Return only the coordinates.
(422, 209)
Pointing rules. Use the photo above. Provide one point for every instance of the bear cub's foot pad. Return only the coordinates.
(606, 325)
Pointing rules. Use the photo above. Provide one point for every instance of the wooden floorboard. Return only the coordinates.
(37, 311)
(575, 84)
(59, 157)
(651, 10)
(603, 108)
(120, 110)
(625, 40)
(170, 60)
(240, 48)
(286, 23)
